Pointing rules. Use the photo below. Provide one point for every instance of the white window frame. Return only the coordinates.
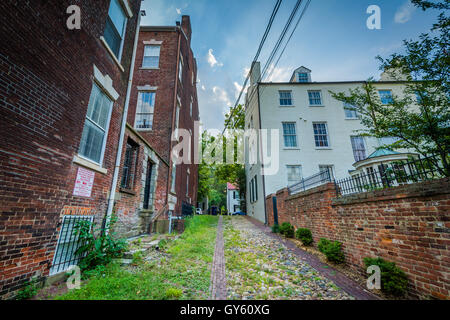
(180, 69)
(190, 110)
(159, 56)
(100, 163)
(357, 116)
(280, 98)
(381, 97)
(173, 177)
(187, 184)
(287, 173)
(135, 116)
(364, 144)
(128, 14)
(320, 97)
(302, 73)
(296, 137)
(328, 166)
(328, 135)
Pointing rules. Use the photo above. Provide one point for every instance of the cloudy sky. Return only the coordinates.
(332, 40)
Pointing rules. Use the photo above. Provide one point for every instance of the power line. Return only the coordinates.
(263, 40)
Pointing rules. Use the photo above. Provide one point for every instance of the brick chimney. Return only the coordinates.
(186, 25)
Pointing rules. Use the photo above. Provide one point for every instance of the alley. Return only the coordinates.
(261, 267)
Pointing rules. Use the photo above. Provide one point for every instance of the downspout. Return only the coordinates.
(263, 177)
(173, 115)
(112, 192)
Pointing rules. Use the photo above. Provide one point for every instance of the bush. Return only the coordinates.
(28, 291)
(287, 230)
(98, 247)
(304, 235)
(393, 280)
(332, 250)
(275, 228)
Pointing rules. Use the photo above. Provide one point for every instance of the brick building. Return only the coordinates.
(163, 99)
(63, 94)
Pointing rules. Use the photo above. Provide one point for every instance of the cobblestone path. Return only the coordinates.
(259, 266)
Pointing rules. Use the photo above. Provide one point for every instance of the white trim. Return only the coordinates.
(102, 40)
(152, 42)
(80, 160)
(105, 83)
(127, 8)
(147, 88)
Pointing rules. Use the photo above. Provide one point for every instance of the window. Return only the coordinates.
(115, 28)
(147, 188)
(93, 139)
(180, 70)
(177, 116)
(321, 135)
(350, 112)
(359, 149)
(145, 109)
(129, 166)
(253, 189)
(326, 167)
(256, 188)
(151, 56)
(289, 135)
(285, 98)
(315, 98)
(190, 108)
(303, 77)
(174, 175)
(386, 96)
(294, 174)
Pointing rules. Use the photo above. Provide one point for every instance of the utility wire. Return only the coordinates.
(263, 40)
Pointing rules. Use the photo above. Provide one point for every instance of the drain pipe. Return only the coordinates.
(112, 192)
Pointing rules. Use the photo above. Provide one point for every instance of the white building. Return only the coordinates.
(233, 201)
(315, 132)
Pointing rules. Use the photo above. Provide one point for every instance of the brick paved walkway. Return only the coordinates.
(347, 284)
(218, 286)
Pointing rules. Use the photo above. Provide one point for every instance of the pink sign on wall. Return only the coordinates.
(84, 183)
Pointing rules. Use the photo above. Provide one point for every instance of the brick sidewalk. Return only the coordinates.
(218, 286)
(341, 280)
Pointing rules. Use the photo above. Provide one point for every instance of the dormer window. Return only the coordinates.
(303, 77)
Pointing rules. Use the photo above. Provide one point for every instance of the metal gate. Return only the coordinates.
(68, 243)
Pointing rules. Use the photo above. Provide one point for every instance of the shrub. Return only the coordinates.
(332, 250)
(28, 291)
(98, 247)
(287, 230)
(276, 228)
(393, 280)
(304, 235)
(173, 293)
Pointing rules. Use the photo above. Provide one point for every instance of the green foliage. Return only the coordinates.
(276, 228)
(28, 291)
(420, 117)
(287, 230)
(98, 247)
(183, 274)
(393, 280)
(332, 250)
(304, 235)
(173, 293)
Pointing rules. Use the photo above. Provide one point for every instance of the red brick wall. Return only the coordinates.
(166, 78)
(409, 225)
(46, 78)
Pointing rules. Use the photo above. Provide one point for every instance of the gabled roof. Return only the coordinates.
(302, 68)
(382, 152)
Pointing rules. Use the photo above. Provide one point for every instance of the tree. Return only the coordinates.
(420, 118)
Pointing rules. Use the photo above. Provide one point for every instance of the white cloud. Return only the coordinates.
(221, 95)
(246, 71)
(278, 74)
(203, 88)
(212, 59)
(178, 10)
(238, 89)
(404, 13)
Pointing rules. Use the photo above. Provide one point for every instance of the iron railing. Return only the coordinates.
(392, 174)
(313, 181)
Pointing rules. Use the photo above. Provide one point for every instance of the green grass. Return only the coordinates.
(185, 275)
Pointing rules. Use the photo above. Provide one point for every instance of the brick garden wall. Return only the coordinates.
(409, 225)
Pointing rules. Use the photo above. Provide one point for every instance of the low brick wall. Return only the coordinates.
(409, 225)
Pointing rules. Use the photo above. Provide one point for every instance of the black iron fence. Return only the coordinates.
(68, 243)
(313, 181)
(392, 174)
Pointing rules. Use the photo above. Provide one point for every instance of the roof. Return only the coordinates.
(231, 186)
(382, 152)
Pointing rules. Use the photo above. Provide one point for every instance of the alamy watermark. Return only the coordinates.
(374, 20)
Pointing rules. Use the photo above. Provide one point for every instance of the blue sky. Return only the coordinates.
(332, 40)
